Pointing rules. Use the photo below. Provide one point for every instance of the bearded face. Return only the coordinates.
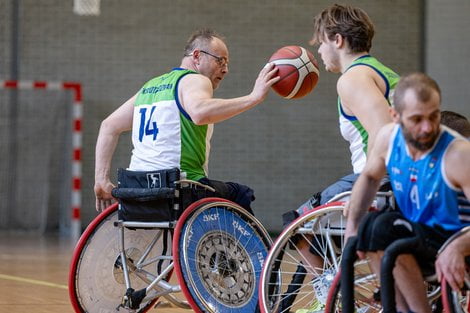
(420, 120)
(422, 141)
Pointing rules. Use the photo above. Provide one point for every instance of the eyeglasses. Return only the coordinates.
(221, 61)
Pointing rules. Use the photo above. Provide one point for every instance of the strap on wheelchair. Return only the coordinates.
(347, 275)
(143, 194)
(387, 282)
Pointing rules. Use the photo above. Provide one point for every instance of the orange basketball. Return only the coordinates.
(298, 70)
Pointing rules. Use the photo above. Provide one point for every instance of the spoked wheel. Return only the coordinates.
(290, 280)
(219, 252)
(366, 290)
(96, 280)
(367, 295)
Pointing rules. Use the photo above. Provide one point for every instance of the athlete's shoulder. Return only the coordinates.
(459, 149)
(386, 133)
(457, 162)
(194, 81)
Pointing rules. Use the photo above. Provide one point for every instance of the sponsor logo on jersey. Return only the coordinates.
(156, 89)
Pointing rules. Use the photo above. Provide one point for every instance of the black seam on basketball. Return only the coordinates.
(295, 70)
(305, 64)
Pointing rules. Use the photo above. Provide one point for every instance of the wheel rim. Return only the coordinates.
(193, 235)
(282, 264)
(99, 284)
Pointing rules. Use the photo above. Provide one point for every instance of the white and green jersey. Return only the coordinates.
(163, 134)
(350, 127)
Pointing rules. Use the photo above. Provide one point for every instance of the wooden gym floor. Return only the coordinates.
(34, 274)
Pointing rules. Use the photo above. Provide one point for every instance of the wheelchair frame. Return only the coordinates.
(278, 294)
(129, 269)
(362, 296)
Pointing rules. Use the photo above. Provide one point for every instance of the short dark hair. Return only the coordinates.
(201, 39)
(421, 83)
(456, 121)
(350, 22)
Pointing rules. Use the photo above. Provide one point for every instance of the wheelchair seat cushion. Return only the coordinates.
(147, 209)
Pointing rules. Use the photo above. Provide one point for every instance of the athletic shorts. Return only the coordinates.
(238, 193)
(379, 229)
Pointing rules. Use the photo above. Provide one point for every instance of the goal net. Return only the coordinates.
(35, 141)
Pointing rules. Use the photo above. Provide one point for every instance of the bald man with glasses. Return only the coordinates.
(171, 118)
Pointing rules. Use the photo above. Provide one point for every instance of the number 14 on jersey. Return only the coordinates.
(147, 126)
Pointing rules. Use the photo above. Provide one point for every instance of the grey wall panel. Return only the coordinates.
(286, 150)
(447, 51)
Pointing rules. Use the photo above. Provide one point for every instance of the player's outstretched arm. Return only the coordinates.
(196, 96)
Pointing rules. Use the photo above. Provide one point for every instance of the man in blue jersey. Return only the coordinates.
(428, 166)
(171, 119)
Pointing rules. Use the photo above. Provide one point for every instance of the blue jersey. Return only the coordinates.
(423, 193)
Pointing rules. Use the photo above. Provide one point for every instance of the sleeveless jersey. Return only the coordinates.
(350, 127)
(421, 188)
(163, 134)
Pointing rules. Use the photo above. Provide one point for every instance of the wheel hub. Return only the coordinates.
(225, 268)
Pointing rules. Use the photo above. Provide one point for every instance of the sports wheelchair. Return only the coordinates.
(126, 256)
(288, 283)
(357, 289)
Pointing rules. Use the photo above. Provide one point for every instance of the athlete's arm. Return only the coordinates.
(196, 96)
(368, 183)
(362, 97)
(108, 136)
(457, 165)
(450, 264)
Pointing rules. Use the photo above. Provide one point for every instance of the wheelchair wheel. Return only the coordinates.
(288, 283)
(219, 250)
(96, 280)
(367, 296)
(366, 290)
(453, 301)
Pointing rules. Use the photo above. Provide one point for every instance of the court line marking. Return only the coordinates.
(32, 281)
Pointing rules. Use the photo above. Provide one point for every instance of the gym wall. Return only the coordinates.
(286, 150)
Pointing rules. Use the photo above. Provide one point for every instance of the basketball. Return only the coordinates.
(298, 70)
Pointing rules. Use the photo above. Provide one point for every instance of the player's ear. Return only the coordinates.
(394, 114)
(196, 54)
(339, 40)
